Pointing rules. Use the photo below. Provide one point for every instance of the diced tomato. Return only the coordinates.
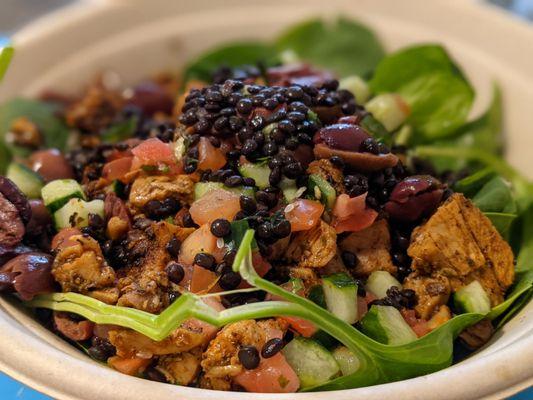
(209, 157)
(418, 325)
(61, 239)
(102, 330)
(273, 375)
(117, 169)
(203, 280)
(215, 204)
(200, 241)
(351, 213)
(208, 331)
(302, 326)
(129, 366)
(261, 265)
(152, 152)
(303, 214)
(370, 297)
(74, 330)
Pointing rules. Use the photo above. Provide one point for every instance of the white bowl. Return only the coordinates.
(65, 49)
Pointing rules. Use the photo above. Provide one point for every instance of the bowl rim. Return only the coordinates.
(508, 370)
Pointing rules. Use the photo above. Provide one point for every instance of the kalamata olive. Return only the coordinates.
(51, 164)
(40, 218)
(414, 197)
(115, 207)
(342, 136)
(30, 274)
(151, 98)
(365, 162)
(13, 194)
(11, 227)
(296, 74)
(303, 154)
(7, 252)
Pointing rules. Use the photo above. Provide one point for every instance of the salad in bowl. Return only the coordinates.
(303, 214)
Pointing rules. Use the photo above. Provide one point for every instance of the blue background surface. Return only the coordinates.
(15, 12)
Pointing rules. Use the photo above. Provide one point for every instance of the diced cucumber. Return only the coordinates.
(379, 282)
(386, 325)
(316, 295)
(289, 189)
(57, 193)
(28, 181)
(313, 363)
(340, 291)
(347, 360)
(258, 172)
(76, 213)
(472, 298)
(322, 190)
(390, 109)
(202, 188)
(357, 86)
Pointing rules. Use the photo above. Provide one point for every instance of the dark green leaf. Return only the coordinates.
(121, 131)
(232, 55)
(343, 46)
(473, 183)
(496, 196)
(484, 133)
(436, 90)
(42, 114)
(6, 54)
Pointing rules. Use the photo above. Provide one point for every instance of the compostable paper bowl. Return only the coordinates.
(135, 38)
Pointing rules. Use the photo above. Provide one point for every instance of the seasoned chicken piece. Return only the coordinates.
(144, 284)
(477, 335)
(81, 267)
(130, 343)
(181, 369)
(313, 248)
(220, 361)
(96, 110)
(107, 295)
(431, 293)
(334, 266)
(458, 242)
(327, 171)
(148, 188)
(307, 275)
(372, 248)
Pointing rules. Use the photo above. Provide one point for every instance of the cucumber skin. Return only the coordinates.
(329, 195)
(472, 298)
(28, 181)
(58, 203)
(373, 322)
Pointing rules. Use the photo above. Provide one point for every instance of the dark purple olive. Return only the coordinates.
(414, 197)
(342, 136)
(28, 274)
(151, 98)
(50, 165)
(40, 218)
(11, 226)
(13, 194)
(7, 253)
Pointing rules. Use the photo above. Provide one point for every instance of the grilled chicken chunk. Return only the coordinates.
(144, 285)
(145, 189)
(372, 248)
(220, 361)
(81, 267)
(458, 244)
(313, 248)
(181, 369)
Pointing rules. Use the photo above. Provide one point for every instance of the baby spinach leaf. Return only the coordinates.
(231, 55)
(496, 196)
(472, 184)
(439, 95)
(483, 133)
(343, 46)
(6, 54)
